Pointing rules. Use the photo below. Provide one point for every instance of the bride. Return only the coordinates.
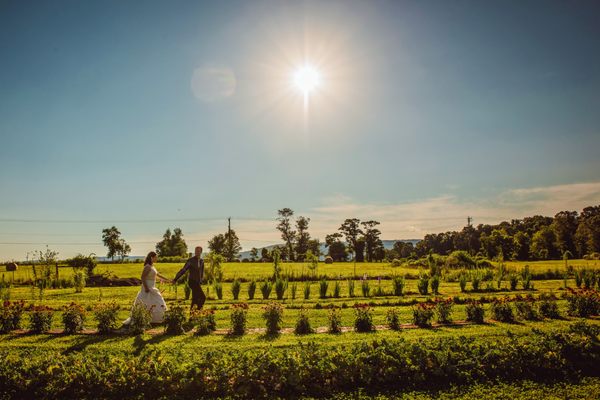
(149, 295)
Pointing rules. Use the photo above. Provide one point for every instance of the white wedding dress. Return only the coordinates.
(152, 299)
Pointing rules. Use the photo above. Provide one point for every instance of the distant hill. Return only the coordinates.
(128, 258)
(387, 244)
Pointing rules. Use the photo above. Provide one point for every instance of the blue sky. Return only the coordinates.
(428, 112)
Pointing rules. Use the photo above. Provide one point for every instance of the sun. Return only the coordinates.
(306, 79)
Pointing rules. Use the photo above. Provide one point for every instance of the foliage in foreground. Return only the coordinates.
(308, 369)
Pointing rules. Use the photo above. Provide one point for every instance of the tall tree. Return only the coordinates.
(359, 250)
(124, 249)
(265, 255)
(232, 246)
(351, 230)
(217, 244)
(587, 236)
(302, 237)
(111, 237)
(372, 240)
(178, 245)
(172, 244)
(565, 227)
(542, 244)
(336, 249)
(254, 254)
(314, 245)
(287, 233)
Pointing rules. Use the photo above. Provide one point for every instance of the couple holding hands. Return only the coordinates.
(152, 298)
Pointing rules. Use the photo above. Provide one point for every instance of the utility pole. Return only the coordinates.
(469, 221)
(229, 244)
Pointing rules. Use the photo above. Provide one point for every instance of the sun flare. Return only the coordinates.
(306, 79)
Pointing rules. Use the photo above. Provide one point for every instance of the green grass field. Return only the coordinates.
(258, 271)
(176, 346)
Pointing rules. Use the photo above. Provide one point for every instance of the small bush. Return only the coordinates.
(265, 289)
(435, 284)
(350, 288)
(548, 308)
(204, 321)
(583, 302)
(236, 287)
(443, 310)
(281, 286)
(526, 310)
(175, 320)
(323, 286)
(106, 315)
(365, 287)
(423, 284)
(40, 319)
(218, 286)
(393, 319)
(73, 318)
(475, 312)
(589, 279)
(396, 263)
(337, 289)
(502, 310)
(239, 316)
(306, 290)
(423, 314)
(578, 277)
(303, 324)
(398, 284)
(251, 289)
(79, 280)
(294, 290)
(462, 281)
(363, 321)
(334, 318)
(273, 316)
(140, 319)
(11, 314)
(527, 282)
(513, 280)
(475, 282)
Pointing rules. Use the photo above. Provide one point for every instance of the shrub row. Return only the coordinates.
(305, 370)
(581, 303)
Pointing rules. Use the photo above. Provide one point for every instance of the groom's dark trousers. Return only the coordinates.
(198, 296)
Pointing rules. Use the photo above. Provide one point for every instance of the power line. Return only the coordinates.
(125, 221)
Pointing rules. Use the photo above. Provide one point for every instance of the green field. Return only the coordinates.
(188, 347)
(258, 271)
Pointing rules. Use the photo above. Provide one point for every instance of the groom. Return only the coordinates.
(195, 266)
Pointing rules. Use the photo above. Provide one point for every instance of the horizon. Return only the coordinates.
(417, 115)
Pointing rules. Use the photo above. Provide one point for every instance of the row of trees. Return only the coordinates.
(354, 238)
(171, 245)
(567, 234)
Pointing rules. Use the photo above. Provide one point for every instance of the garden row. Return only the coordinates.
(304, 370)
(581, 303)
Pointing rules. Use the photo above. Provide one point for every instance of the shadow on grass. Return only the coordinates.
(269, 337)
(139, 343)
(83, 341)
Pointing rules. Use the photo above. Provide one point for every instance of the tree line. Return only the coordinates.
(567, 234)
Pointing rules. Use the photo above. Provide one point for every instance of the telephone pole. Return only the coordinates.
(469, 221)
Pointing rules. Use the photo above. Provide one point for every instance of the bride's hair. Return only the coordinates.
(149, 257)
